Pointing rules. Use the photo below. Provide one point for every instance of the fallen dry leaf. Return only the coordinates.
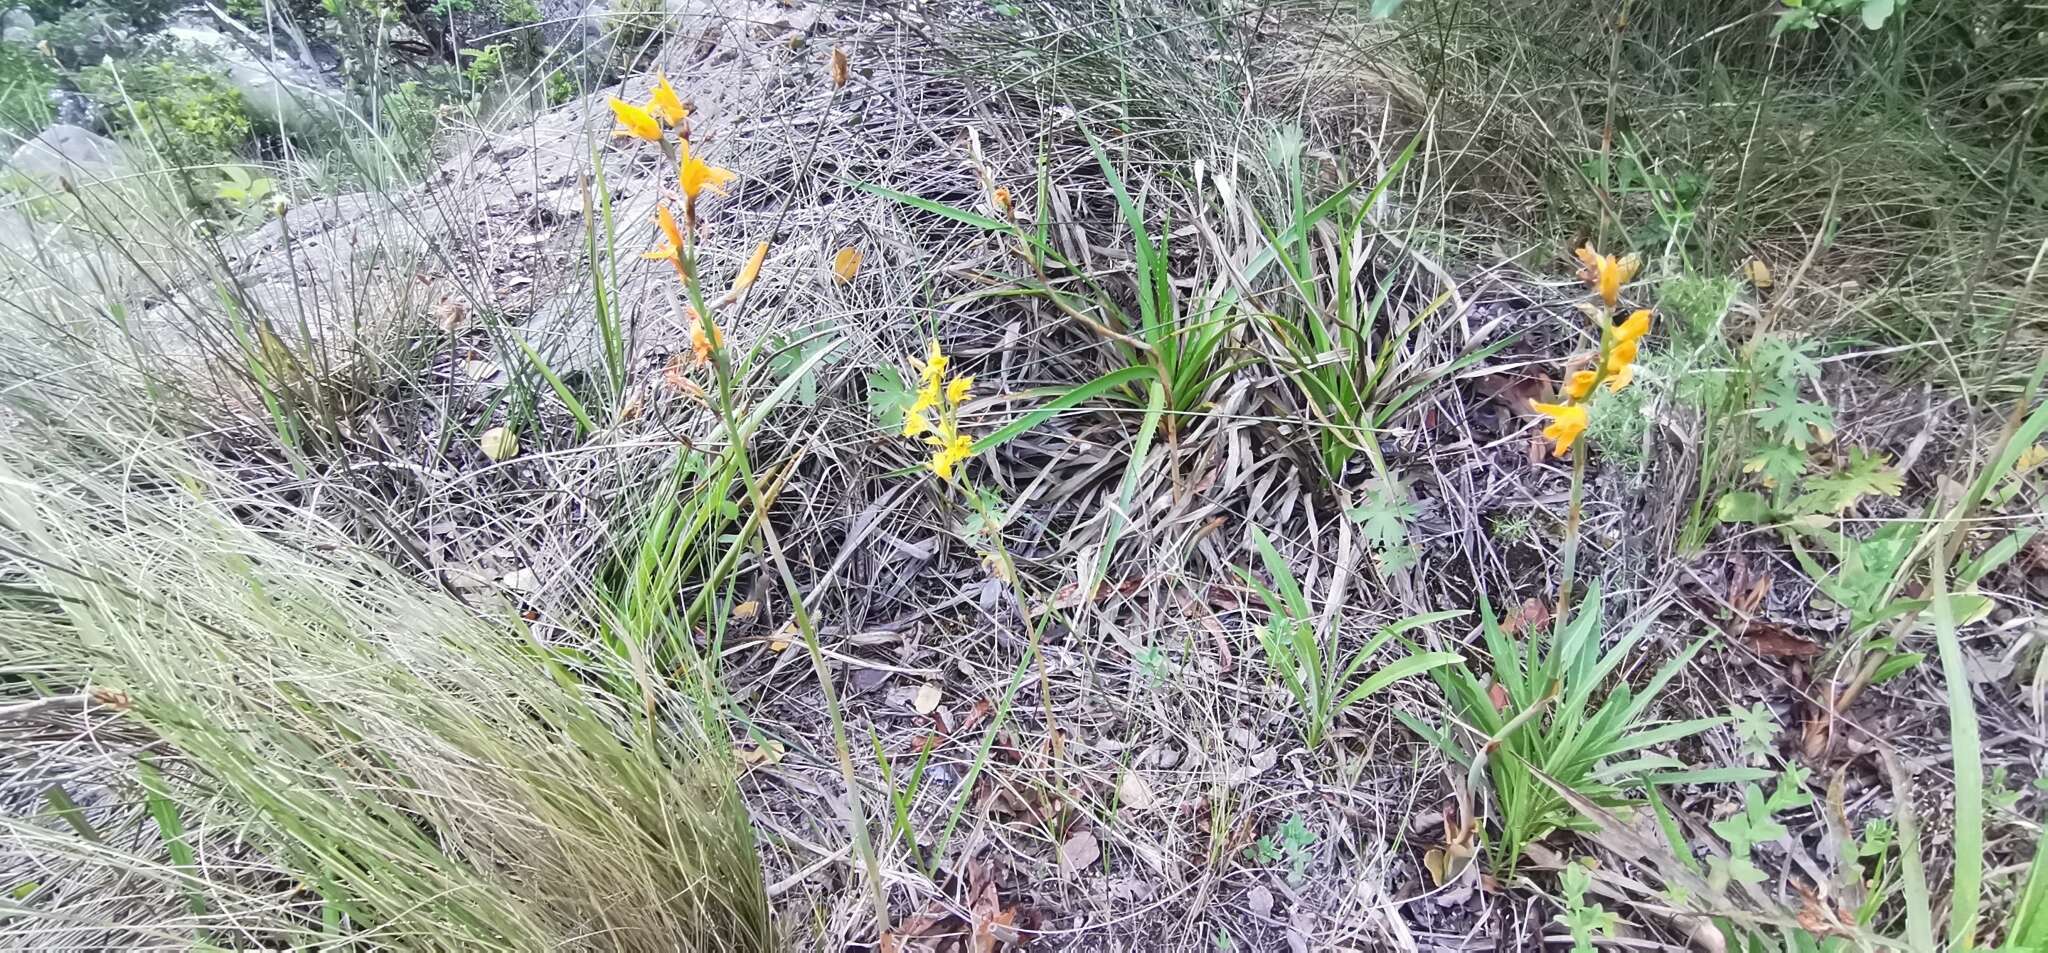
(838, 68)
(1079, 852)
(746, 610)
(1758, 273)
(1134, 792)
(1260, 900)
(751, 271)
(1530, 616)
(1776, 641)
(993, 924)
(846, 264)
(927, 700)
(499, 443)
(765, 753)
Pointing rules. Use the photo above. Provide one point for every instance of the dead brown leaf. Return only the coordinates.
(1080, 852)
(1775, 641)
(992, 923)
(1532, 615)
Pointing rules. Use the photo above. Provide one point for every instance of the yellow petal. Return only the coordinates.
(695, 175)
(1633, 329)
(1580, 384)
(1567, 422)
(634, 121)
(1622, 355)
(914, 424)
(958, 390)
(667, 222)
(846, 264)
(752, 269)
(1618, 379)
(1609, 284)
(1589, 262)
(664, 102)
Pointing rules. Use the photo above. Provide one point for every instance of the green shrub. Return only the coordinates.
(25, 84)
(187, 114)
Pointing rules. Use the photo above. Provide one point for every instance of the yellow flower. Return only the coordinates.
(958, 390)
(703, 338)
(932, 369)
(671, 249)
(1621, 365)
(1619, 378)
(1606, 273)
(695, 175)
(1567, 422)
(1579, 385)
(1633, 329)
(914, 421)
(634, 121)
(954, 448)
(664, 103)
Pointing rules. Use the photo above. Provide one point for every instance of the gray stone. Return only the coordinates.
(65, 150)
(17, 26)
(75, 108)
(286, 97)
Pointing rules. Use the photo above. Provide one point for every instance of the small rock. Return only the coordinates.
(1260, 900)
(65, 150)
(18, 26)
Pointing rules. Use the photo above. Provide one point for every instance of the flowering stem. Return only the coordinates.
(1571, 536)
(805, 624)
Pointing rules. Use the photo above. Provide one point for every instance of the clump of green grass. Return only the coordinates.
(1530, 725)
(1312, 668)
(338, 755)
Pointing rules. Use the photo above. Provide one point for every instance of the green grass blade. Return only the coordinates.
(1123, 377)
(1968, 747)
(583, 421)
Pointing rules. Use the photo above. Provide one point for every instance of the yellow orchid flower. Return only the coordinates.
(954, 449)
(671, 249)
(695, 175)
(1621, 364)
(634, 121)
(1633, 329)
(703, 338)
(932, 369)
(665, 104)
(914, 420)
(1567, 422)
(1580, 384)
(959, 389)
(1606, 273)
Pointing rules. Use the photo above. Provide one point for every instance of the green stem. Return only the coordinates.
(1571, 536)
(806, 625)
